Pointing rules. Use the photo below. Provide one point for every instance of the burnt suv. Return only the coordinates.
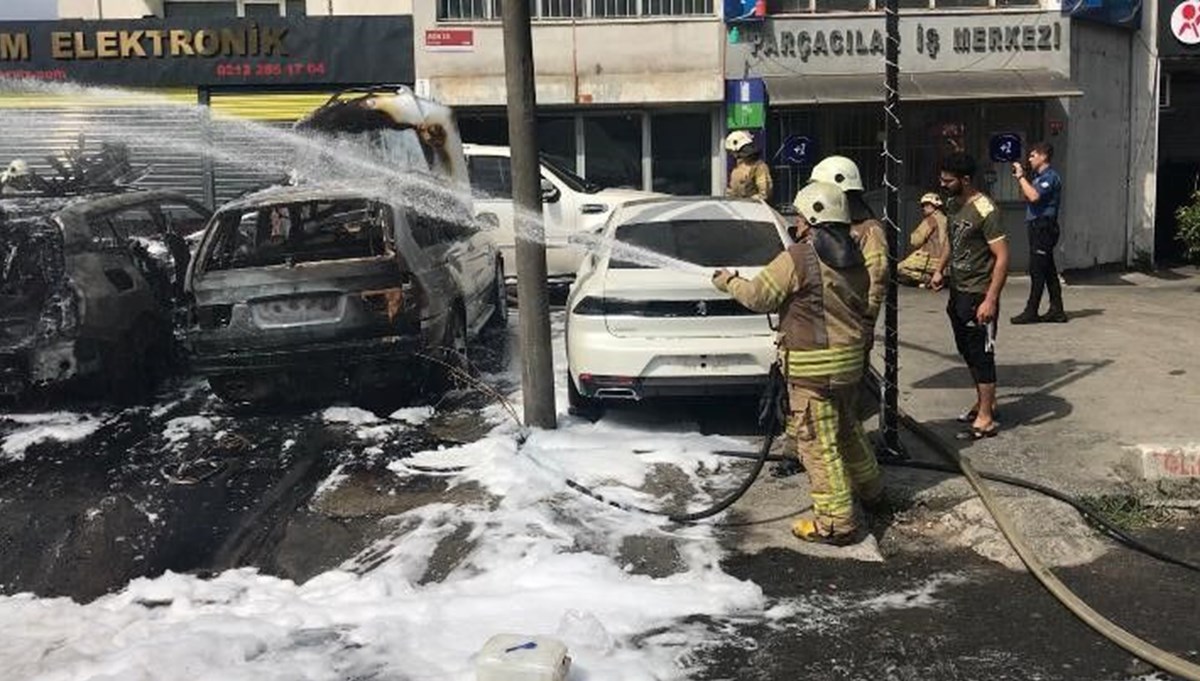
(334, 288)
(88, 288)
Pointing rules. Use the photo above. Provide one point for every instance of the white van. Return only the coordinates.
(569, 204)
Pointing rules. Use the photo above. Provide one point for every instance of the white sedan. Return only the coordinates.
(644, 319)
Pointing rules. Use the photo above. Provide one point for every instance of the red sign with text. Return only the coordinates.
(450, 39)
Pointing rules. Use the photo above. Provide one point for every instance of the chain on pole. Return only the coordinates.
(889, 421)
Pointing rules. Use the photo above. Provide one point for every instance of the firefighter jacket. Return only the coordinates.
(873, 241)
(819, 288)
(750, 181)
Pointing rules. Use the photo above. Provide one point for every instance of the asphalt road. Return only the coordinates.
(82, 519)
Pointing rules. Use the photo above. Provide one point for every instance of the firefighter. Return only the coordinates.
(867, 230)
(927, 240)
(819, 288)
(750, 178)
(16, 177)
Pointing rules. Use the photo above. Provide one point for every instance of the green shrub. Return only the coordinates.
(1188, 223)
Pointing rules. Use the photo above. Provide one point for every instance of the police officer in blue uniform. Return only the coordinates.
(1043, 194)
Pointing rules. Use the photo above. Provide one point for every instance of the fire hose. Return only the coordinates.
(772, 414)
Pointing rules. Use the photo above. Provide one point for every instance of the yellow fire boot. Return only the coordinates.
(809, 531)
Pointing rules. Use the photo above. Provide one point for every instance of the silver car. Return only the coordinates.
(295, 287)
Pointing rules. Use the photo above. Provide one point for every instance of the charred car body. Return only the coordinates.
(341, 284)
(88, 287)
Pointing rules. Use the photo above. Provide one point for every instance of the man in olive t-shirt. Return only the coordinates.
(977, 256)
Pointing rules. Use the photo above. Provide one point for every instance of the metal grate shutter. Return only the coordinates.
(162, 132)
(245, 124)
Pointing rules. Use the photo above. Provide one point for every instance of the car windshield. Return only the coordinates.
(304, 231)
(569, 178)
(708, 243)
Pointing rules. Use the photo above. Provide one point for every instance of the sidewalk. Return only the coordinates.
(1075, 399)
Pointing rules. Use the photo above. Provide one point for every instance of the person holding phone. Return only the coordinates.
(1043, 196)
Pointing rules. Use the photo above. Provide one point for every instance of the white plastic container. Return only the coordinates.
(513, 657)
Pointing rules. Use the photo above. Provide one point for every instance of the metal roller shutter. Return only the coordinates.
(162, 131)
(246, 124)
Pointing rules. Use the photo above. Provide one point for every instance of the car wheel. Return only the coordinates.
(451, 355)
(499, 318)
(580, 405)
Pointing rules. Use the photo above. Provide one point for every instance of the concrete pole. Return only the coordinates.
(537, 366)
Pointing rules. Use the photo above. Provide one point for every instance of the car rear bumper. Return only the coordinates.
(622, 389)
(340, 354)
(633, 368)
(562, 262)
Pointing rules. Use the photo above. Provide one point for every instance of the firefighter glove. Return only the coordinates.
(721, 279)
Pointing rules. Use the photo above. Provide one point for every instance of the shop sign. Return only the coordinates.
(207, 52)
(799, 150)
(745, 104)
(928, 43)
(1005, 147)
(1185, 22)
(1122, 13)
(450, 39)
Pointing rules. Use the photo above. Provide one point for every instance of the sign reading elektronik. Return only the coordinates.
(191, 52)
(928, 42)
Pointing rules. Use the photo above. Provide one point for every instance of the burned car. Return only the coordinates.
(88, 287)
(321, 285)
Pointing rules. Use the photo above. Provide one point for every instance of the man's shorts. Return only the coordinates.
(976, 342)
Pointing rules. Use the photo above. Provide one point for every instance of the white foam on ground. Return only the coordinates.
(59, 426)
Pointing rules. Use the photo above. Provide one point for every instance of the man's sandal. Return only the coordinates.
(974, 433)
(969, 415)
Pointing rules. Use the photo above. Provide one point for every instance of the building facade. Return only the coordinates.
(629, 92)
(640, 93)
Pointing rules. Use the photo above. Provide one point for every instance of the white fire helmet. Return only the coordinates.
(822, 202)
(16, 169)
(838, 170)
(738, 140)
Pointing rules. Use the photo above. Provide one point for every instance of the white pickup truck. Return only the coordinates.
(569, 204)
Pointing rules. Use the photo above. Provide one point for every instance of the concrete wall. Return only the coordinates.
(1143, 133)
(1095, 167)
(108, 9)
(359, 7)
(619, 62)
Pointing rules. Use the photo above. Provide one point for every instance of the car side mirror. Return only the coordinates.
(550, 193)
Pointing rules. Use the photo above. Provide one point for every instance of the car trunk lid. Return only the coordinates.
(645, 303)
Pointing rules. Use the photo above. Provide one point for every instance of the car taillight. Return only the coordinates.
(388, 301)
(213, 316)
(590, 305)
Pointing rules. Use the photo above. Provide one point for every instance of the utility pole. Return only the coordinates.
(537, 366)
(889, 411)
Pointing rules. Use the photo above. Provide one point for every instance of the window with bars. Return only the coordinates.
(489, 10)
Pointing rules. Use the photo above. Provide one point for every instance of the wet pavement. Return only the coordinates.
(190, 485)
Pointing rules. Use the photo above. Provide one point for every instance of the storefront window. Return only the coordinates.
(613, 150)
(680, 154)
(203, 10)
(556, 137)
(843, 5)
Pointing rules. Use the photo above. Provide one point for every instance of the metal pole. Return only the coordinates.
(889, 421)
(207, 172)
(537, 367)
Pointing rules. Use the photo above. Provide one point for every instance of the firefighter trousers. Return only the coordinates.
(835, 453)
